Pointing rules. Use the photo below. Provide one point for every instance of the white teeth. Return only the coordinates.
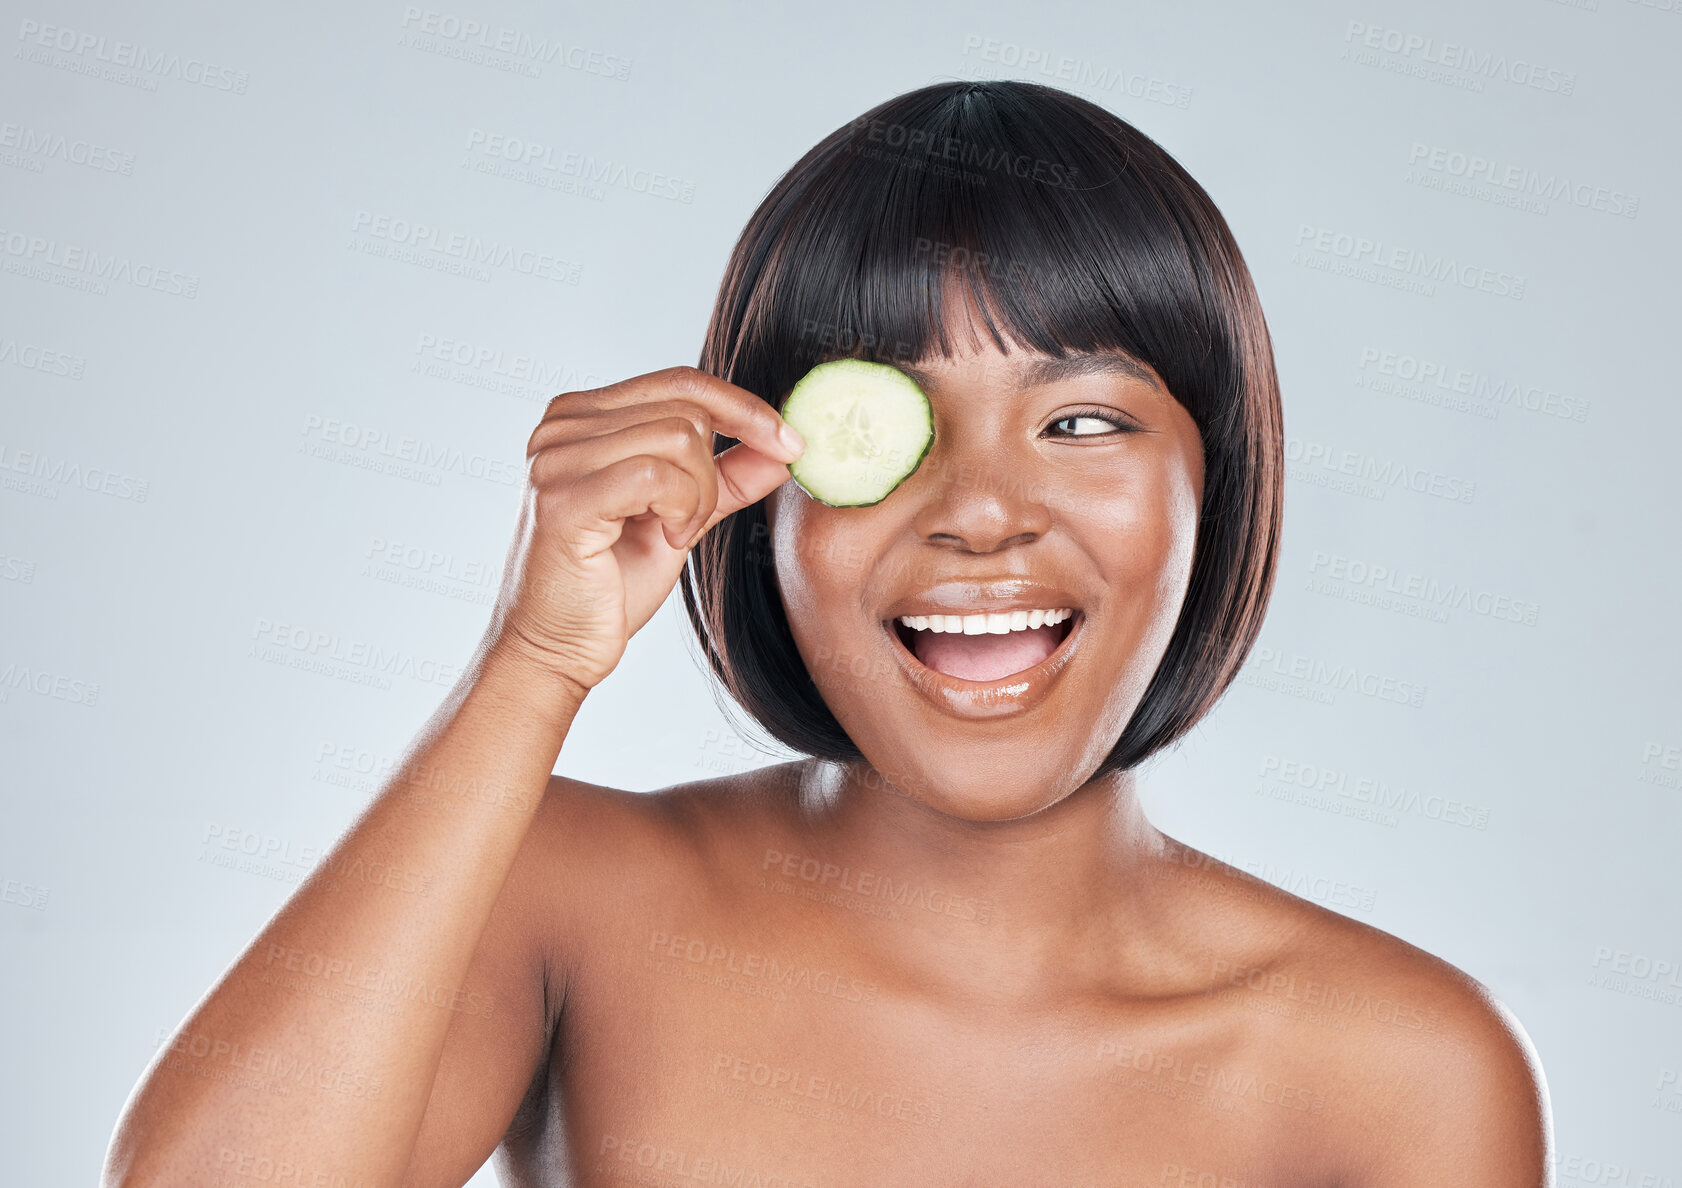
(996, 623)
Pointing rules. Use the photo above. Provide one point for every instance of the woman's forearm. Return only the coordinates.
(361, 970)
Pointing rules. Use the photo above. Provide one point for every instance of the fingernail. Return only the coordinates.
(792, 440)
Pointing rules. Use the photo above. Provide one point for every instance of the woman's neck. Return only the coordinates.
(1021, 900)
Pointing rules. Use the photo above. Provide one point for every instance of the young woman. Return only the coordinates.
(947, 948)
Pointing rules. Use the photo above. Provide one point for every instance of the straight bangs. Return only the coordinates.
(1071, 232)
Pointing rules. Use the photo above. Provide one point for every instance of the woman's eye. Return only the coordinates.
(1096, 425)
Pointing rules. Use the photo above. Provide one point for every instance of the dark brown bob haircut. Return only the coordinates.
(1074, 232)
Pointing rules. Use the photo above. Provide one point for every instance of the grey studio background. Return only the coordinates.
(264, 415)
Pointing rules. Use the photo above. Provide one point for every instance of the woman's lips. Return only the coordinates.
(989, 676)
(984, 657)
(985, 700)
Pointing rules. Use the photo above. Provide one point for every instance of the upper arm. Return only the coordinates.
(503, 1023)
(1471, 1106)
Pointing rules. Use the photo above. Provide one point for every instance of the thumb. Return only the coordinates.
(745, 476)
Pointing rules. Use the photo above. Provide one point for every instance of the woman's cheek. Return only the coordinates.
(822, 551)
(812, 561)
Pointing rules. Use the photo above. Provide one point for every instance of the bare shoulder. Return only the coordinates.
(1466, 1099)
(593, 821)
(1428, 1077)
(611, 849)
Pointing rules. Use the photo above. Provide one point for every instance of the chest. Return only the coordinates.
(715, 1055)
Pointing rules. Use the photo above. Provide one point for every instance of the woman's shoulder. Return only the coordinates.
(1284, 944)
(680, 806)
(1428, 1075)
(595, 830)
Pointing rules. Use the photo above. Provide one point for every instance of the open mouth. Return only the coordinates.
(986, 656)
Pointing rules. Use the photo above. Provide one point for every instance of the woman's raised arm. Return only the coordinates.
(315, 1057)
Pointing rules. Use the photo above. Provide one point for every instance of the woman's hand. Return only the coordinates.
(621, 482)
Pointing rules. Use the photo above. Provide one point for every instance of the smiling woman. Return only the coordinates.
(947, 946)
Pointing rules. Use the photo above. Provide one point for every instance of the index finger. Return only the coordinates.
(735, 412)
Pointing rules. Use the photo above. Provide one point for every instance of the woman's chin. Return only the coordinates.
(986, 796)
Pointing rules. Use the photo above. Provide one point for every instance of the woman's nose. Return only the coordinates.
(975, 495)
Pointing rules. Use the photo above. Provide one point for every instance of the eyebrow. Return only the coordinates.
(1050, 371)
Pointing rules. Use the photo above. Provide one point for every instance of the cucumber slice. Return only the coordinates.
(867, 427)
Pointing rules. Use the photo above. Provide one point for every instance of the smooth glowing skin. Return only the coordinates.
(1010, 487)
